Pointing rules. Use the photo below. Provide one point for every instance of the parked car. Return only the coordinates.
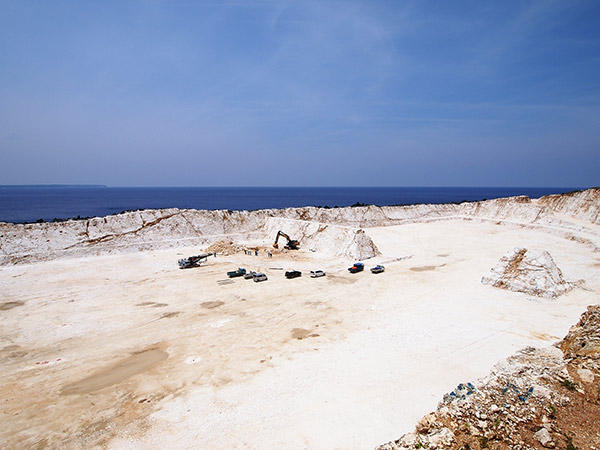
(236, 273)
(317, 273)
(249, 275)
(378, 269)
(259, 276)
(357, 267)
(293, 274)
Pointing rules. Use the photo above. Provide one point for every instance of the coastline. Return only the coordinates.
(51, 204)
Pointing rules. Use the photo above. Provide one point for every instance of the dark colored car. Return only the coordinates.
(377, 269)
(357, 267)
(293, 274)
(237, 273)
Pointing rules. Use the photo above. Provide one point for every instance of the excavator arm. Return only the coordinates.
(280, 233)
(292, 244)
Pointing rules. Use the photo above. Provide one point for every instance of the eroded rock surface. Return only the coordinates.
(569, 215)
(532, 272)
(583, 205)
(583, 340)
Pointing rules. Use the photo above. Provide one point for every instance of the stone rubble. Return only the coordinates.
(543, 437)
(533, 400)
(225, 247)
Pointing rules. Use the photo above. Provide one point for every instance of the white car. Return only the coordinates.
(317, 273)
(259, 276)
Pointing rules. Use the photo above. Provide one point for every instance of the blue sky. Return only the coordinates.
(300, 93)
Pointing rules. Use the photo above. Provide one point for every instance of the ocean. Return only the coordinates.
(22, 204)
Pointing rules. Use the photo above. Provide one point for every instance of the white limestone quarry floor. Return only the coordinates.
(129, 352)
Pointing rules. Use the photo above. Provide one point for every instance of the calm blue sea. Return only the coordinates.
(31, 203)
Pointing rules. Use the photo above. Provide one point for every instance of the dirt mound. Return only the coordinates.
(533, 400)
(532, 272)
(224, 248)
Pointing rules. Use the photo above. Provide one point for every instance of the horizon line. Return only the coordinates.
(55, 185)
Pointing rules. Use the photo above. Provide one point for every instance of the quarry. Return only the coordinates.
(465, 341)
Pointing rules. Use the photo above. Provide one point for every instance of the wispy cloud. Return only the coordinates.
(320, 79)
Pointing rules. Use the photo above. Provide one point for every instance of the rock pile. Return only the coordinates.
(537, 399)
(532, 272)
(225, 247)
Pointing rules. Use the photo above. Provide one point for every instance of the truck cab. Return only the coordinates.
(357, 267)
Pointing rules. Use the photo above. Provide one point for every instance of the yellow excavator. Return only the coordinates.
(292, 244)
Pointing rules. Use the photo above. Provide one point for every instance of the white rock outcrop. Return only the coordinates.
(325, 238)
(543, 437)
(582, 205)
(532, 272)
(572, 215)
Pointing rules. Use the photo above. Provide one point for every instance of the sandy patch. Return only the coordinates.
(212, 305)
(135, 364)
(424, 268)
(10, 305)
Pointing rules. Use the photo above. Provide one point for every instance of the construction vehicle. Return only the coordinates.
(292, 244)
(193, 261)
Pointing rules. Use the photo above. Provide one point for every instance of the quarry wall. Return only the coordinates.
(338, 231)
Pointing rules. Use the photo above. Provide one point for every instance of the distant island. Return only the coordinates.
(52, 186)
